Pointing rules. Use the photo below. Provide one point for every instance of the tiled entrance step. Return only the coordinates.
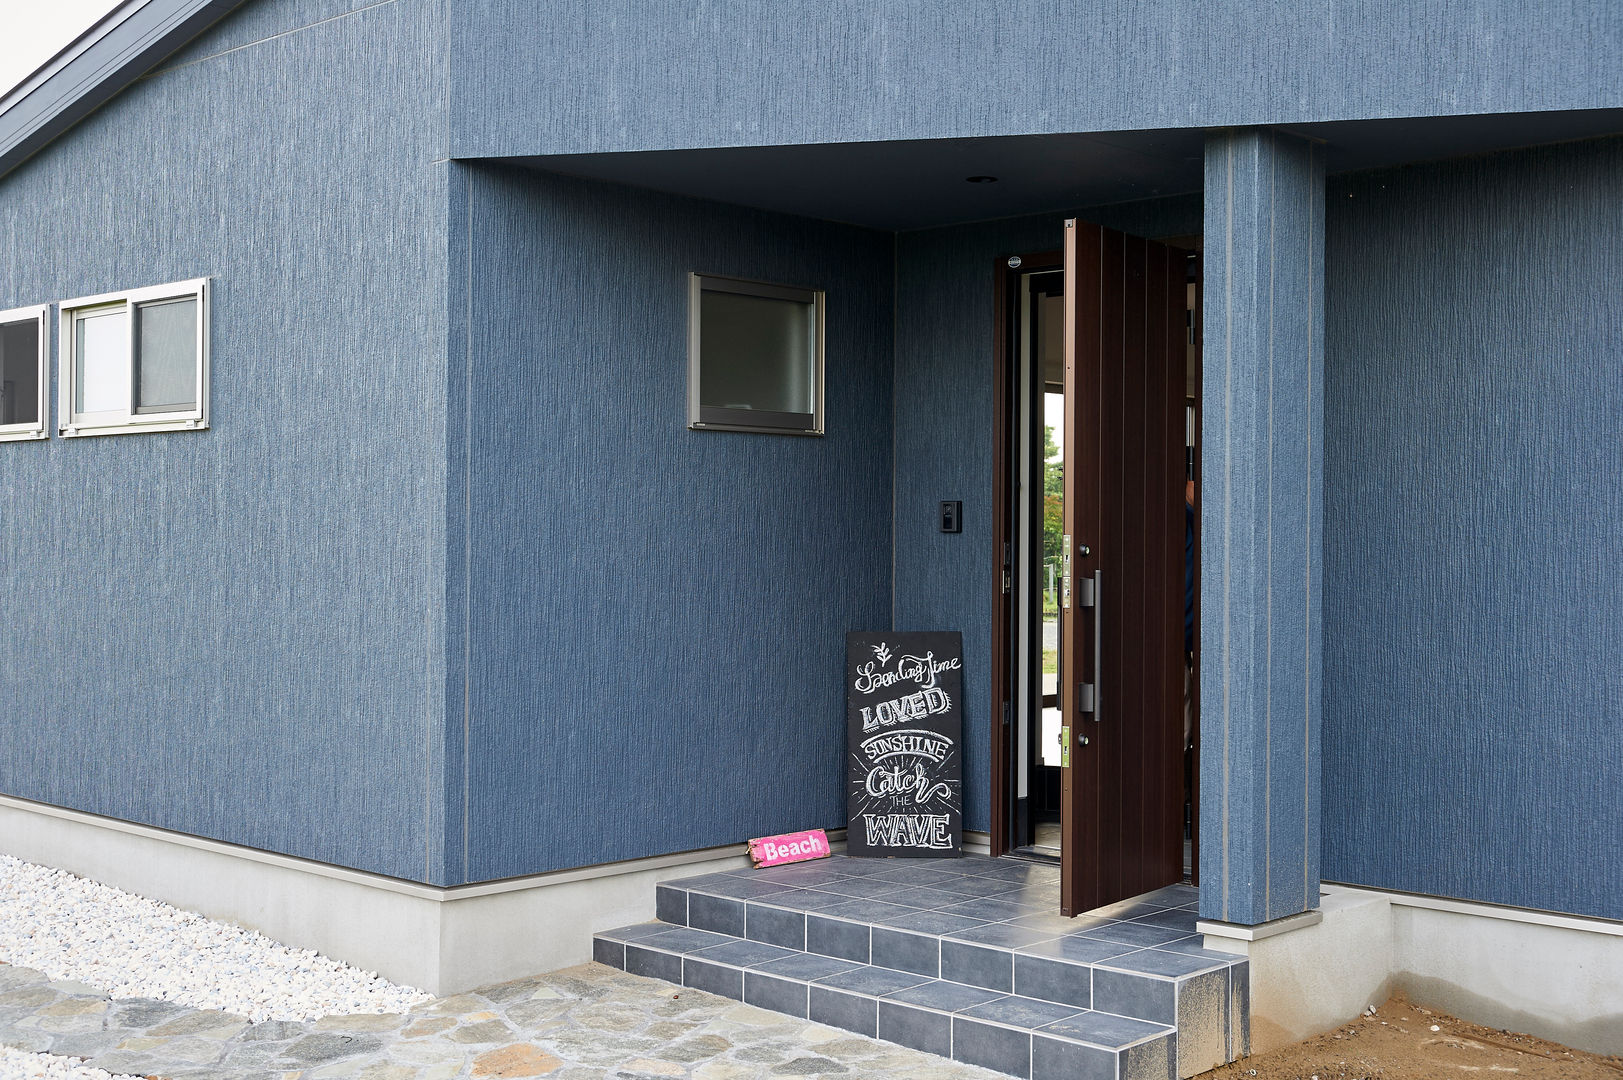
(964, 958)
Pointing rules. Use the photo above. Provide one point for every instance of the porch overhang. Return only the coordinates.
(926, 183)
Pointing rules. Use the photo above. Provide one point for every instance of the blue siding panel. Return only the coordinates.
(235, 633)
(611, 75)
(1261, 531)
(1474, 610)
(657, 616)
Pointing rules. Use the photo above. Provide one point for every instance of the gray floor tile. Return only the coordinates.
(700, 879)
(636, 932)
(862, 888)
(977, 965)
(990, 908)
(805, 966)
(740, 888)
(743, 953)
(867, 910)
(1195, 945)
(1176, 919)
(853, 1012)
(803, 899)
(920, 1029)
(1128, 909)
(1021, 1012)
(1056, 1059)
(1005, 1050)
(978, 886)
(1163, 962)
(945, 996)
(931, 922)
(1079, 950)
(1130, 933)
(713, 978)
(775, 926)
(802, 874)
(914, 875)
(1020, 870)
(919, 896)
(685, 940)
(654, 964)
(1131, 994)
(1053, 980)
(838, 937)
(1002, 934)
(719, 914)
(1058, 924)
(871, 980)
(671, 905)
(918, 953)
(852, 866)
(612, 953)
(779, 995)
(1103, 1029)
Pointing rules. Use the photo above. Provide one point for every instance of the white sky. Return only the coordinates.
(33, 32)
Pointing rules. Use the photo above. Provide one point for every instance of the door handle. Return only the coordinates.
(1098, 641)
(1087, 693)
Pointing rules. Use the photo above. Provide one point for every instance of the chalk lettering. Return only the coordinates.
(905, 709)
(908, 830)
(926, 744)
(903, 780)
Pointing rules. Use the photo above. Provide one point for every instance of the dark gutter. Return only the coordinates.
(124, 45)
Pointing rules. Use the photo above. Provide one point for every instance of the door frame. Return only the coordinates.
(1005, 364)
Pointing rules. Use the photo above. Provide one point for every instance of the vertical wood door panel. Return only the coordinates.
(1122, 810)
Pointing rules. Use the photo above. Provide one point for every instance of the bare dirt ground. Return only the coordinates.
(1402, 1041)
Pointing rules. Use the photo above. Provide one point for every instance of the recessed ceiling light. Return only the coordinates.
(980, 179)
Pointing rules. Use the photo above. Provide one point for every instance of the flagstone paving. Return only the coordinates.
(582, 1023)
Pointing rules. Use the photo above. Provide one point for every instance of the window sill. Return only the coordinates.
(87, 430)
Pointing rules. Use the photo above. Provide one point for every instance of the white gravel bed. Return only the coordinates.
(72, 928)
(21, 1065)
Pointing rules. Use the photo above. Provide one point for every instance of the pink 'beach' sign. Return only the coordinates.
(790, 847)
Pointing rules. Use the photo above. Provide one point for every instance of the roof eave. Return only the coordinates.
(121, 47)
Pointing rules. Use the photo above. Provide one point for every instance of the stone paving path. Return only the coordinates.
(583, 1023)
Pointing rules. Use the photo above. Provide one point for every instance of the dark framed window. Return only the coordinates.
(755, 356)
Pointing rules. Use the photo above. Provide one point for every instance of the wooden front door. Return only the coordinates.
(1122, 614)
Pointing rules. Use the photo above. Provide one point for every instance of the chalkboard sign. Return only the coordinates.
(904, 728)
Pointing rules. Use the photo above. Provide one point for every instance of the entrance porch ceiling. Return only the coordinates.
(923, 184)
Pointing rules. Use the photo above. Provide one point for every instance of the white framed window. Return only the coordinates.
(755, 356)
(25, 344)
(135, 361)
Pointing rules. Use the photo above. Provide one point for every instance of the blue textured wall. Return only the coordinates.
(236, 633)
(945, 323)
(605, 75)
(1473, 621)
(655, 616)
(1262, 463)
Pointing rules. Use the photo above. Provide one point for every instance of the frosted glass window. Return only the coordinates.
(19, 372)
(756, 356)
(166, 356)
(757, 353)
(101, 362)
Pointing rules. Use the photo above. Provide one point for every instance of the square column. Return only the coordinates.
(1261, 541)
